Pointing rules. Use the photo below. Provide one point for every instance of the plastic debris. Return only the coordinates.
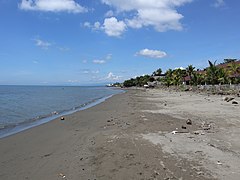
(189, 122)
(62, 175)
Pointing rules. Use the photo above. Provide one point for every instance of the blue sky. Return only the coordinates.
(67, 42)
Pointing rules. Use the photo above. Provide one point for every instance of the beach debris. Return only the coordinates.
(200, 173)
(62, 118)
(189, 122)
(228, 99)
(234, 102)
(156, 173)
(130, 156)
(46, 155)
(225, 98)
(62, 175)
(175, 132)
(206, 126)
(184, 127)
(219, 163)
(199, 132)
(54, 112)
(211, 145)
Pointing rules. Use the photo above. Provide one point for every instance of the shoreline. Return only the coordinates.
(14, 129)
(130, 136)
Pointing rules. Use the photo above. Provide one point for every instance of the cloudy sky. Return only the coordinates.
(81, 42)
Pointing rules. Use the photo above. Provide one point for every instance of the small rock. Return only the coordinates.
(184, 127)
(234, 102)
(55, 112)
(189, 122)
(206, 128)
(199, 132)
(62, 118)
(228, 99)
(200, 173)
(225, 98)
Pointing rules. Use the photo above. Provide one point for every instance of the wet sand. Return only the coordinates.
(141, 134)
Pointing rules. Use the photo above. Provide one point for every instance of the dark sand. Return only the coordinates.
(118, 139)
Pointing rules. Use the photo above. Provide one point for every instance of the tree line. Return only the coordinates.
(227, 72)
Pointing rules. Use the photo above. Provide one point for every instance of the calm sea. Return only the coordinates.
(22, 107)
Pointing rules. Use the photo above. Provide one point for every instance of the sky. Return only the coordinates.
(91, 42)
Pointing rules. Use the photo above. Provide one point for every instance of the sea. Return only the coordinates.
(24, 107)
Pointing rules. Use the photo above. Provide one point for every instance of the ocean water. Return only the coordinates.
(23, 107)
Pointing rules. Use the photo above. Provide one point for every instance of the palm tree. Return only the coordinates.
(222, 76)
(168, 78)
(190, 70)
(158, 72)
(233, 71)
(212, 73)
(177, 76)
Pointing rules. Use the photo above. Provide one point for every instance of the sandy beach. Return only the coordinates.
(141, 134)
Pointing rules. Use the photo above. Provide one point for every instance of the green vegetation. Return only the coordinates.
(227, 72)
(158, 72)
(138, 81)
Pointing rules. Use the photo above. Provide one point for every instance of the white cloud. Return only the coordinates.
(87, 24)
(95, 72)
(219, 3)
(152, 53)
(111, 76)
(97, 26)
(97, 61)
(64, 49)
(35, 62)
(160, 14)
(109, 57)
(109, 13)
(52, 6)
(42, 44)
(182, 68)
(88, 71)
(113, 27)
(85, 72)
(73, 81)
(103, 60)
